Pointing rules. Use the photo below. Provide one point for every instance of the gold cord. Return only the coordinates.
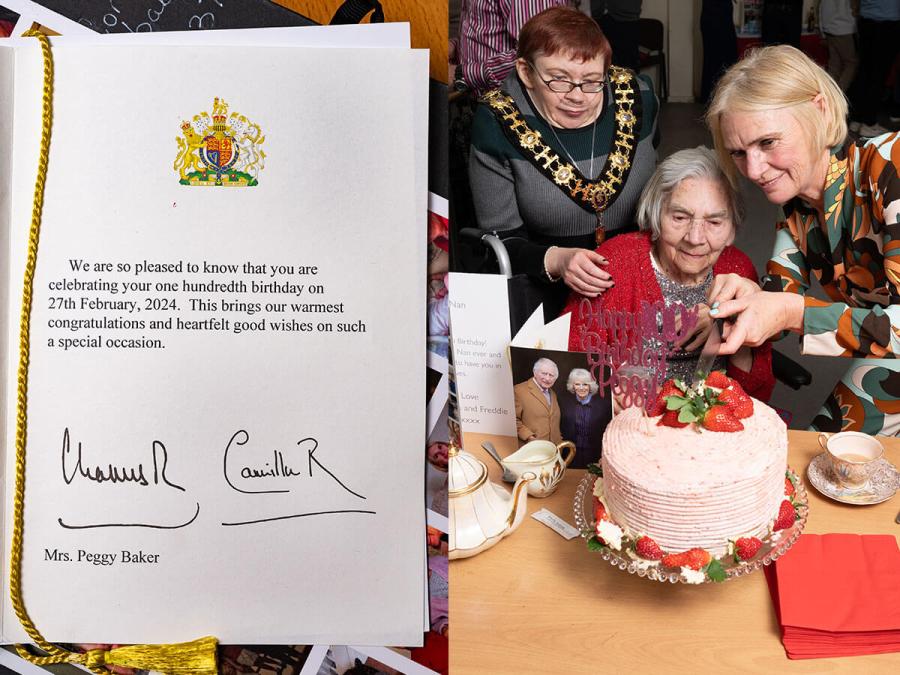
(193, 657)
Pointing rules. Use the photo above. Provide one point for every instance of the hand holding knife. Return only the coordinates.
(709, 353)
(755, 315)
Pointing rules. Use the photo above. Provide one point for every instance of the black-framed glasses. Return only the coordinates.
(565, 86)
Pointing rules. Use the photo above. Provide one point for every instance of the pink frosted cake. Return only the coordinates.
(700, 480)
(686, 488)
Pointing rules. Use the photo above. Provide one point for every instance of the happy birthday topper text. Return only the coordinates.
(623, 342)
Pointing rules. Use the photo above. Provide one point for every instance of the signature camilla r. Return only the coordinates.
(220, 149)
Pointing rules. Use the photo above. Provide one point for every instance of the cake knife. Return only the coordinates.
(709, 352)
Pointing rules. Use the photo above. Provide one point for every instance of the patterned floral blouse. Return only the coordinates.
(855, 255)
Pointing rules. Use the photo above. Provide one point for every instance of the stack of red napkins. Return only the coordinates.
(838, 595)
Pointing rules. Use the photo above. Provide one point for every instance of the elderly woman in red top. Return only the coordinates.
(687, 217)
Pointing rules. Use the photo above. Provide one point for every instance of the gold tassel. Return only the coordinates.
(194, 658)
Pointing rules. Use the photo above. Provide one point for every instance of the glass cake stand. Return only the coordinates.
(774, 545)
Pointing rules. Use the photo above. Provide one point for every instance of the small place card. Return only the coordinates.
(555, 523)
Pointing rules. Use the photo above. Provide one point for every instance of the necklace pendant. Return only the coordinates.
(599, 233)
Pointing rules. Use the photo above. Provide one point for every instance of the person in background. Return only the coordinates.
(688, 216)
(782, 22)
(485, 51)
(585, 414)
(780, 120)
(719, 43)
(537, 406)
(838, 25)
(619, 21)
(878, 25)
(560, 154)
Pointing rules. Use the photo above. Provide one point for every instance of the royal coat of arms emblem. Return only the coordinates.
(220, 149)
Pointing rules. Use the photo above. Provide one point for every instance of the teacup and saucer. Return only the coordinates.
(853, 469)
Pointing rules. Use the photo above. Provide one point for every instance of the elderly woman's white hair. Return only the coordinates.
(775, 77)
(699, 162)
(580, 376)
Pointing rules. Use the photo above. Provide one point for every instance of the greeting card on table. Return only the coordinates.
(224, 420)
(480, 335)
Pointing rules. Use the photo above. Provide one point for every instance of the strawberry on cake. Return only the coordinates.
(701, 479)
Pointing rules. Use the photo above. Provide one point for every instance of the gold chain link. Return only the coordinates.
(595, 194)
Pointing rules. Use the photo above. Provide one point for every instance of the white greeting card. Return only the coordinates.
(226, 382)
(479, 320)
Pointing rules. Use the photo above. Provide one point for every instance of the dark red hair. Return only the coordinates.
(563, 30)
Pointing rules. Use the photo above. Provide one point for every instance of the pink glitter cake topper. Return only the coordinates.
(634, 346)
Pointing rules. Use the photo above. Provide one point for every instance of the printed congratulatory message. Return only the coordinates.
(140, 304)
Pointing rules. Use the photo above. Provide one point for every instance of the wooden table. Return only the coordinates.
(536, 603)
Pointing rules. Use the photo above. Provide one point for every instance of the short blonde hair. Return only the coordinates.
(776, 77)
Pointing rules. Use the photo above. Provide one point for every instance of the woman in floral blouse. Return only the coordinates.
(780, 120)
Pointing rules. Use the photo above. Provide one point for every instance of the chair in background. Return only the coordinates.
(651, 39)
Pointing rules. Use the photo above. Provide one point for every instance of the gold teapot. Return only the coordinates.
(481, 512)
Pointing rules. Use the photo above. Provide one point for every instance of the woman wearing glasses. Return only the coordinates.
(560, 154)
(687, 215)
